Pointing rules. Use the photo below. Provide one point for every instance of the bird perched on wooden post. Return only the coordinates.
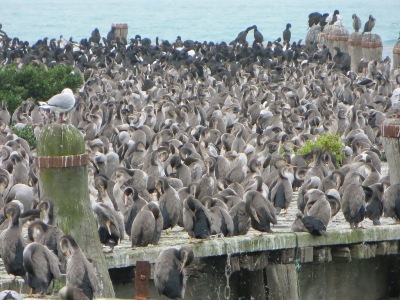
(369, 25)
(60, 103)
(334, 19)
(356, 22)
(287, 34)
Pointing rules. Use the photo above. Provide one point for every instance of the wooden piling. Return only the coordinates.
(371, 45)
(390, 135)
(314, 36)
(396, 55)
(142, 278)
(355, 50)
(328, 31)
(63, 178)
(121, 30)
(282, 281)
(337, 36)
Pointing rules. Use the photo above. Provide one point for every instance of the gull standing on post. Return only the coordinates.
(60, 103)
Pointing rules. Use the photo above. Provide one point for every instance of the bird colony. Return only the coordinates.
(199, 135)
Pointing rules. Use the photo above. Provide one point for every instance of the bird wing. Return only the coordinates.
(53, 261)
(61, 101)
(266, 211)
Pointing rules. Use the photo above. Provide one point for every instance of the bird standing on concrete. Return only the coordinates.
(60, 103)
(370, 24)
(356, 22)
(42, 267)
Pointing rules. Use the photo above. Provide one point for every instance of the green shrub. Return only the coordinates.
(330, 143)
(27, 134)
(35, 82)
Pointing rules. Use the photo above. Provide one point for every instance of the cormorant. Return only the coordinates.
(169, 271)
(356, 22)
(369, 25)
(287, 33)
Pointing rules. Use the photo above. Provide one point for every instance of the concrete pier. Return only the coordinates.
(277, 266)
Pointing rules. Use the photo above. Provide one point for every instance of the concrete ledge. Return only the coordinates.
(254, 242)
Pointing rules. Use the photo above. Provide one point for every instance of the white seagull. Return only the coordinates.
(60, 103)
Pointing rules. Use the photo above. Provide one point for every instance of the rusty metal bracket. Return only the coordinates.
(391, 130)
(142, 278)
(62, 161)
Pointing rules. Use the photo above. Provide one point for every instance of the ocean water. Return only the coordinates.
(201, 20)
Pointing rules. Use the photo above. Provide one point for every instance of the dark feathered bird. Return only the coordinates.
(391, 202)
(314, 19)
(281, 193)
(353, 201)
(133, 209)
(322, 21)
(221, 221)
(258, 37)
(314, 226)
(342, 60)
(46, 207)
(80, 272)
(11, 242)
(110, 225)
(147, 226)
(356, 22)
(42, 267)
(370, 24)
(260, 210)
(240, 218)
(334, 17)
(287, 34)
(169, 272)
(45, 234)
(196, 218)
(241, 38)
(170, 205)
(49, 236)
(373, 198)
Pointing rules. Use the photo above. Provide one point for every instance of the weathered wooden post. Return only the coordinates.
(391, 144)
(121, 30)
(338, 37)
(371, 45)
(313, 37)
(396, 55)
(282, 275)
(328, 31)
(282, 281)
(63, 177)
(355, 51)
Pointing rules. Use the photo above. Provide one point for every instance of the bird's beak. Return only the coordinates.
(182, 266)
(254, 212)
(108, 225)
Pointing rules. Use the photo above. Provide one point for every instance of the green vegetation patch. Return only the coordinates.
(330, 143)
(37, 82)
(27, 134)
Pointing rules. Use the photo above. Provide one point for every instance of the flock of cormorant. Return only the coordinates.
(200, 135)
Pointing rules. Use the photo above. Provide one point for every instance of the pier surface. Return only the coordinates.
(339, 234)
